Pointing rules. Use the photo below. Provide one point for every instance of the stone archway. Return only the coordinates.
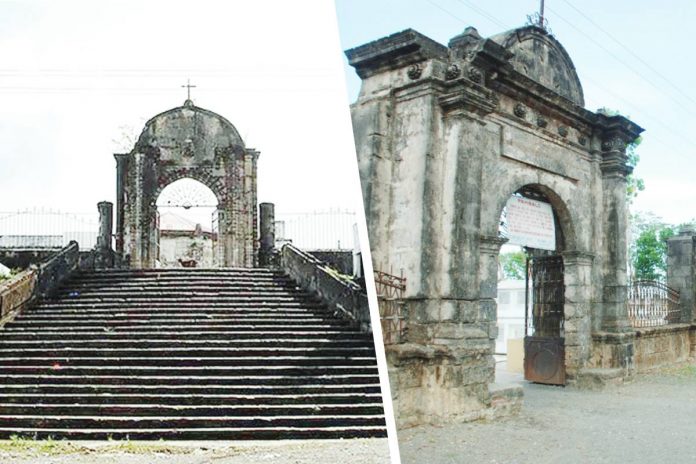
(187, 142)
(444, 134)
(569, 355)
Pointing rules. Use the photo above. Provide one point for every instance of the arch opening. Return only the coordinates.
(187, 225)
(530, 313)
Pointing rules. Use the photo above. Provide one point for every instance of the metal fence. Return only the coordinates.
(652, 304)
(390, 293)
(44, 228)
(318, 230)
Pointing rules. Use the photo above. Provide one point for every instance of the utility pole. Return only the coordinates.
(541, 15)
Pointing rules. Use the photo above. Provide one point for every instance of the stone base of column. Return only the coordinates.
(611, 361)
(104, 259)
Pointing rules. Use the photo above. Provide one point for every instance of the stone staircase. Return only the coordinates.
(186, 354)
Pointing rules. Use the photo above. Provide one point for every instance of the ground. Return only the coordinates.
(370, 451)
(652, 419)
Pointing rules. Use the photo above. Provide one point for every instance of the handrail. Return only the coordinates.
(342, 295)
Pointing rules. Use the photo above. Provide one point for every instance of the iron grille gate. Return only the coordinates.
(544, 348)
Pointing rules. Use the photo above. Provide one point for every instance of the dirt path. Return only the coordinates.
(650, 420)
(371, 451)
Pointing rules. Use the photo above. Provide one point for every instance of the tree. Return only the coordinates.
(650, 252)
(634, 185)
(513, 264)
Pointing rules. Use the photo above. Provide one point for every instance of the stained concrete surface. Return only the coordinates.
(369, 451)
(652, 419)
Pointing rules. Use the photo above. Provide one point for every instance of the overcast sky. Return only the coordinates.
(645, 69)
(77, 75)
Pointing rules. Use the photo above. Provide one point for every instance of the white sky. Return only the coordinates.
(648, 74)
(77, 75)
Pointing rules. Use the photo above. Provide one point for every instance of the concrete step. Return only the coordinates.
(172, 325)
(196, 343)
(167, 311)
(191, 333)
(294, 432)
(255, 381)
(118, 398)
(189, 361)
(107, 409)
(177, 298)
(139, 422)
(234, 372)
(188, 318)
(155, 283)
(178, 289)
(188, 352)
(229, 304)
(193, 391)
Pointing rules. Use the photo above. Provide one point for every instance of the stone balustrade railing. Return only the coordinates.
(38, 281)
(344, 297)
(16, 292)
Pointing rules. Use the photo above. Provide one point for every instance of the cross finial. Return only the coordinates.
(188, 89)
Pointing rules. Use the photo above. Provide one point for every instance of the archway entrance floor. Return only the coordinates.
(643, 421)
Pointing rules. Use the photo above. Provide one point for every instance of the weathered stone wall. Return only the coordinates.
(657, 347)
(444, 136)
(340, 260)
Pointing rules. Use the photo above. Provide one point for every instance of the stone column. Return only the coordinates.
(614, 226)
(267, 238)
(577, 306)
(104, 254)
(137, 248)
(121, 170)
(681, 258)
(489, 248)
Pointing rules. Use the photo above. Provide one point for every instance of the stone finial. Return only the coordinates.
(465, 41)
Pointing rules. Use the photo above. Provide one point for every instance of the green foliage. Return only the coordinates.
(650, 258)
(634, 185)
(648, 247)
(513, 264)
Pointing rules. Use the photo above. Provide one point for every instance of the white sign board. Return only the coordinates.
(530, 223)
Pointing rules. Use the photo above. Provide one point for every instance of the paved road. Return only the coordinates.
(370, 451)
(651, 420)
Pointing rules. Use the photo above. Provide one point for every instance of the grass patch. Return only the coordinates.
(684, 371)
(30, 446)
(135, 447)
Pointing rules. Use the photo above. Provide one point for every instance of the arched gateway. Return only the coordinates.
(187, 142)
(445, 136)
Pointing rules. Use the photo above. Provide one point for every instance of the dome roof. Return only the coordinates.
(190, 130)
(542, 58)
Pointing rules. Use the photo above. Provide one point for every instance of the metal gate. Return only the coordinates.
(544, 348)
